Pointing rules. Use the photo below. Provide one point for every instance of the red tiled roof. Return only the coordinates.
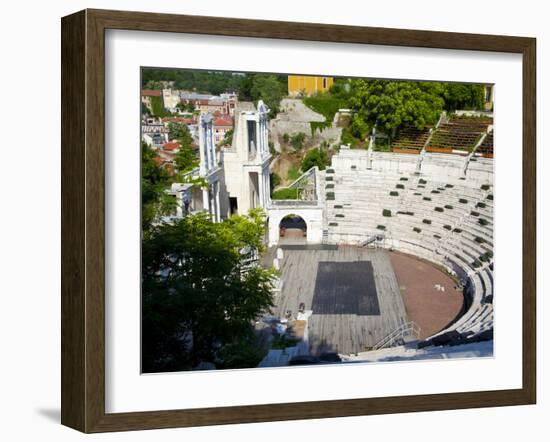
(150, 93)
(179, 120)
(227, 122)
(171, 146)
(217, 113)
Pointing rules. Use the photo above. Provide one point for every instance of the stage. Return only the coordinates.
(352, 291)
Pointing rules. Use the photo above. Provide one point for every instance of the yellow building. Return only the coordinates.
(308, 85)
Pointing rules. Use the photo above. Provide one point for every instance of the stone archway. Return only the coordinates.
(311, 223)
(293, 229)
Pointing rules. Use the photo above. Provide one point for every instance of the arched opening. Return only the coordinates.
(293, 230)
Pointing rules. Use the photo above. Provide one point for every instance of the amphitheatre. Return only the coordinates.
(385, 255)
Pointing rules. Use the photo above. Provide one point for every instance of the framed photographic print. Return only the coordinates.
(266, 220)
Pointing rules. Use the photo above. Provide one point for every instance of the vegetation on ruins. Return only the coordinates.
(297, 140)
(315, 157)
(286, 194)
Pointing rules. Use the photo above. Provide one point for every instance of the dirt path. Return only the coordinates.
(430, 308)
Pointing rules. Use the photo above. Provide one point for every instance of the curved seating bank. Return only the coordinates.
(438, 207)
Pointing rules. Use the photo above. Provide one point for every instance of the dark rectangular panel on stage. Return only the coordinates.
(345, 288)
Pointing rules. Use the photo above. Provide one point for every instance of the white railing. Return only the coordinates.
(396, 337)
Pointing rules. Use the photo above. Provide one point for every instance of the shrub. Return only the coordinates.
(417, 230)
(463, 201)
(293, 173)
(275, 180)
(426, 198)
(484, 258)
(403, 179)
(338, 206)
(481, 205)
(339, 215)
(285, 194)
(329, 186)
(405, 213)
(381, 227)
(479, 240)
(490, 197)
(386, 213)
(462, 178)
(315, 157)
(420, 186)
(483, 221)
(297, 140)
(417, 193)
(399, 186)
(330, 196)
(422, 181)
(485, 187)
(435, 191)
(436, 236)
(394, 193)
(448, 206)
(438, 209)
(447, 226)
(353, 167)
(330, 170)
(457, 230)
(476, 264)
(427, 221)
(332, 224)
(325, 104)
(474, 213)
(449, 186)
(329, 178)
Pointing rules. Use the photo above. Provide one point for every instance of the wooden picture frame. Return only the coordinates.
(83, 219)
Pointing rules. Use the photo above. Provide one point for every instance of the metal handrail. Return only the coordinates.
(409, 328)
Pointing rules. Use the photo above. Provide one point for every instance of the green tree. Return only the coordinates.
(186, 158)
(269, 89)
(315, 157)
(185, 107)
(464, 96)
(199, 295)
(394, 104)
(154, 180)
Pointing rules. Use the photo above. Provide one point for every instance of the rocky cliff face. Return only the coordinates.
(296, 117)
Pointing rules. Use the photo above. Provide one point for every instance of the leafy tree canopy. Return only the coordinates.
(186, 158)
(210, 82)
(199, 297)
(464, 96)
(392, 104)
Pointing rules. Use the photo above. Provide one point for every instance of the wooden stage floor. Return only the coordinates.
(354, 306)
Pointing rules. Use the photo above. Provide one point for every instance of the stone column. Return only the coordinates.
(217, 199)
(260, 190)
(205, 200)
